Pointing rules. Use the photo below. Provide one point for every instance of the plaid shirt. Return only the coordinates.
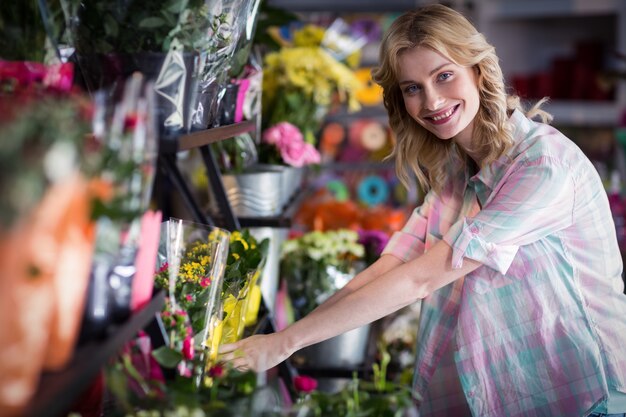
(540, 328)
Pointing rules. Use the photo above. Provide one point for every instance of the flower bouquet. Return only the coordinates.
(303, 79)
(242, 291)
(192, 263)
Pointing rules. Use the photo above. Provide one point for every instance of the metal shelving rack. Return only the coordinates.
(226, 218)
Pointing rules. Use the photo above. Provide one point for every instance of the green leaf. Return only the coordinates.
(176, 6)
(111, 27)
(166, 357)
(152, 23)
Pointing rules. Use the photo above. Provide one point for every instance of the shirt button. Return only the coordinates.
(470, 394)
(474, 229)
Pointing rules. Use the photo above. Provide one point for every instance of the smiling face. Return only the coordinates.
(439, 94)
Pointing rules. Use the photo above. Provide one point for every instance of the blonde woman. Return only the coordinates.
(513, 252)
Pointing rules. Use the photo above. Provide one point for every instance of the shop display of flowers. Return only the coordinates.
(301, 82)
(377, 396)
(71, 169)
(211, 278)
(317, 264)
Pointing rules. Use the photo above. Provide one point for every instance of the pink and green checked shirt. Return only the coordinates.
(540, 328)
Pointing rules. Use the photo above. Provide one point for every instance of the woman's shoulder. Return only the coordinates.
(537, 140)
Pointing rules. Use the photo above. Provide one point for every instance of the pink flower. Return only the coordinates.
(189, 297)
(205, 282)
(184, 369)
(216, 371)
(291, 144)
(163, 268)
(298, 154)
(188, 351)
(305, 383)
(281, 133)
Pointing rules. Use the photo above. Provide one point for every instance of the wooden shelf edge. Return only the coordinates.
(216, 134)
(58, 390)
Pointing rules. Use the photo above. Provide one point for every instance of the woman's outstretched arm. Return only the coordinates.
(380, 296)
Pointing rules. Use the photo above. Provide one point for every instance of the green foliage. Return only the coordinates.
(23, 34)
(245, 256)
(315, 264)
(105, 26)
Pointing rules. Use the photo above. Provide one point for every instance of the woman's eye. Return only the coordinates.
(444, 76)
(411, 89)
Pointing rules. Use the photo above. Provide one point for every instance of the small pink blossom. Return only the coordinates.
(188, 351)
(184, 369)
(189, 297)
(216, 371)
(163, 268)
(305, 383)
(205, 282)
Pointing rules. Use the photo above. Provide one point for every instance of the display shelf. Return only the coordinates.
(205, 137)
(58, 390)
(584, 113)
(553, 8)
(377, 112)
(344, 6)
(532, 37)
(284, 220)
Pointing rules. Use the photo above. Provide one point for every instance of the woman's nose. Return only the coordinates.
(432, 99)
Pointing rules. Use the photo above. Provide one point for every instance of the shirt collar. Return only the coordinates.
(488, 174)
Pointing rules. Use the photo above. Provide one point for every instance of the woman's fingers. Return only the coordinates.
(228, 347)
(240, 364)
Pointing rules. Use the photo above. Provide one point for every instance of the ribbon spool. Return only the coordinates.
(339, 189)
(373, 190)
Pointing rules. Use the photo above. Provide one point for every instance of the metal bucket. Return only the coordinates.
(347, 350)
(257, 192)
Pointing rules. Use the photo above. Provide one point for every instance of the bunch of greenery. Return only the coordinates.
(23, 31)
(379, 397)
(103, 26)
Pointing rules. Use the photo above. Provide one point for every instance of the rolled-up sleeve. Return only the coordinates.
(535, 200)
(409, 242)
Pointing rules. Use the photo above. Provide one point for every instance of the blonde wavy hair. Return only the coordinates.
(449, 33)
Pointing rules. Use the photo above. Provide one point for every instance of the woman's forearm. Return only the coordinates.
(381, 266)
(377, 298)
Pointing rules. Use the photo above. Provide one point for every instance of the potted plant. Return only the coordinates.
(314, 266)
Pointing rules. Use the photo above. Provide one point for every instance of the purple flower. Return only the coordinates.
(373, 240)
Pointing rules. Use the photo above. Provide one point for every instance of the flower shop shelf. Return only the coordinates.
(204, 137)
(58, 390)
(284, 220)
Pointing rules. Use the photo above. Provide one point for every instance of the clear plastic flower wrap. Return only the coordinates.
(175, 43)
(192, 261)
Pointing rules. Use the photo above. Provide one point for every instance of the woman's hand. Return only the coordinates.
(256, 353)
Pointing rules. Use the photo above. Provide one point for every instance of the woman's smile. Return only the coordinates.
(443, 116)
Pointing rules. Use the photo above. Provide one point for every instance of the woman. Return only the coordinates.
(513, 252)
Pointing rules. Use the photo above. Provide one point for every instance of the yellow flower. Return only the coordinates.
(309, 35)
(237, 237)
